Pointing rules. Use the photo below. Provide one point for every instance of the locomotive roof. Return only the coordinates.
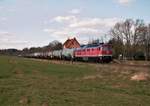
(91, 46)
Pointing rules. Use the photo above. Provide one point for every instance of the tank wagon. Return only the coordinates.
(94, 52)
(57, 54)
(68, 54)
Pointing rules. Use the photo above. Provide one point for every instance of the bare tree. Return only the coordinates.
(148, 42)
(127, 32)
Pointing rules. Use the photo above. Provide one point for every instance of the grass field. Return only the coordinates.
(26, 82)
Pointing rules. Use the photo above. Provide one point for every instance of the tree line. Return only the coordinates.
(131, 39)
(54, 45)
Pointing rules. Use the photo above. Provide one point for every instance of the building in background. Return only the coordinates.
(71, 43)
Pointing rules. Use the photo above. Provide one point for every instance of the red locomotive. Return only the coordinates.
(94, 52)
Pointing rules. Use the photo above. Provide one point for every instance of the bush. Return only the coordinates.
(139, 56)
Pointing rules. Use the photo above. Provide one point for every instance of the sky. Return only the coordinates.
(28, 23)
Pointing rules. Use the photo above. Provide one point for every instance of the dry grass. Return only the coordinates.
(92, 77)
(27, 82)
(142, 76)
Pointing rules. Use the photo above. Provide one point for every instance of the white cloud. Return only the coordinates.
(5, 33)
(76, 22)
(80, 27)
(75, 11)
(125, 2)
(95, 22)
(10, 9)
(3, 19)
(63, 19)
(1, 7)
(9, 40)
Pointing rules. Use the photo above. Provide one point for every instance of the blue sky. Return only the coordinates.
(26, 23)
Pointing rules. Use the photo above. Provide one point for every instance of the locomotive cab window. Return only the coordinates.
(106, 48)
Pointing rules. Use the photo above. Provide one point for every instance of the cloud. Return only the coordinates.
(1, 7)
(5, 33)
(125, 2)
(75, 11)
(9, 40)
(6, 9)
(81, 27)
(95, 22)
(62, 19)
(2, 19)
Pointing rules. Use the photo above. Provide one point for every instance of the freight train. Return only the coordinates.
(92, 52)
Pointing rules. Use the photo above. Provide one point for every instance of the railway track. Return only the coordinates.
(113, 63)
